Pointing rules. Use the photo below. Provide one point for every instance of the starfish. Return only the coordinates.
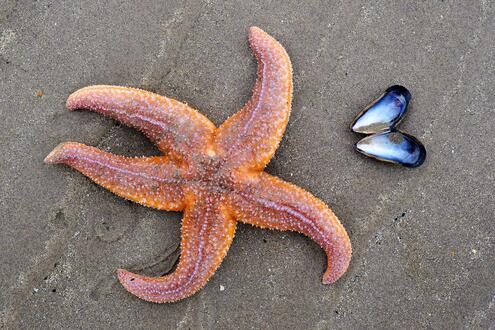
(214, 175)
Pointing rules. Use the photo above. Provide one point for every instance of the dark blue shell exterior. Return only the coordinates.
(395, 147)
(384, 113)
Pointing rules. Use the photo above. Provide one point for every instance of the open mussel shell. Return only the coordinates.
(384, 113)
(394, 147)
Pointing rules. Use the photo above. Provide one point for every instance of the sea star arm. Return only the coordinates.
(173, 126)
(269, 202)
(250, 137)
(207, 232)
(151, 181)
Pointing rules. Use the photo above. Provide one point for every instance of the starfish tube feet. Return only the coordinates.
(269, 202)
(207, 232)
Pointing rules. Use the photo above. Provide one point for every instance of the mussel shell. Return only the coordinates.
(394, 147)
(384, 113)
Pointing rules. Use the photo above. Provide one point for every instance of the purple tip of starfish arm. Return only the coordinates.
(142, 287)
(72, 103)
(339, 263)
(125, 278)
(122, 275)
(56, 156)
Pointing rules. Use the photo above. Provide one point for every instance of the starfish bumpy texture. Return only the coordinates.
(214, 175)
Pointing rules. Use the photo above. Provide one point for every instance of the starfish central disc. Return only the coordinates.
(214, 175)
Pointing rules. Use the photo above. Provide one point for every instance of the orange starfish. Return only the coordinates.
(215, 175)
